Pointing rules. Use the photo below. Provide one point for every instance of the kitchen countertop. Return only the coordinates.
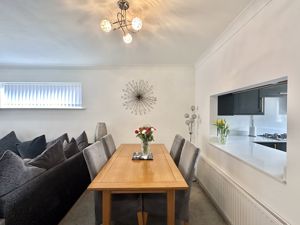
(267, 160)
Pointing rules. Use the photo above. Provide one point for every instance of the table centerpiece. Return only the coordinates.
(145, 133)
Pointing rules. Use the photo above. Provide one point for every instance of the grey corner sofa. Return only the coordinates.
(45, 199)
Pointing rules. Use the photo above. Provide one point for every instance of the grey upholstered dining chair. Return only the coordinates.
(124, 206)
(176, 148)
(109, 145)
(156, 204)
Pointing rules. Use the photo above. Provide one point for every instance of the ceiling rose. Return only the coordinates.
(123, 23)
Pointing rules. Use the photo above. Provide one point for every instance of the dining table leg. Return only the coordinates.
(171, 207)
(106, 207)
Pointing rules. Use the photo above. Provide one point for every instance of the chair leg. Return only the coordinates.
(145, 217)
(140, 218)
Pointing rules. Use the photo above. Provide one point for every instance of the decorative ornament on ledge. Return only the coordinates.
(122, 23)
(138, 97)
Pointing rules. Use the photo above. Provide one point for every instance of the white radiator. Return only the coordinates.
(237, 205)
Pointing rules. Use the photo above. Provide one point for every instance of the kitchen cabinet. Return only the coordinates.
(241, 103)
(248, 103)
(277, 90)
(276, 145)
(226, 105)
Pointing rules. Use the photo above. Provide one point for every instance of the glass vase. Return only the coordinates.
(223, 138)
(145, 148)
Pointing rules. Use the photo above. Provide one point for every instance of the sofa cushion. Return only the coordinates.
(14, 172)
(9, 142)
(49, 158)
(82, 141)
(61, 138)
(70, 148)
(30, 149)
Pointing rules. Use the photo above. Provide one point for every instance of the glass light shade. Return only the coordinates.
(136, 23)
(105, 26)
(127, 38)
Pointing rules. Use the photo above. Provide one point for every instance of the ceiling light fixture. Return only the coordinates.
(127, 26)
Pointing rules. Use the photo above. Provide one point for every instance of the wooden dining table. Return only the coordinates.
(121, 174)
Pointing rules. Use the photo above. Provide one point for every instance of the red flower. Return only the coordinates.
(136, 131)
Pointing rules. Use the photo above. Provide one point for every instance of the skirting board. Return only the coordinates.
(234, 203)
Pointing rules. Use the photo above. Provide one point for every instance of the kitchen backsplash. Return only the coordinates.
(274, 120)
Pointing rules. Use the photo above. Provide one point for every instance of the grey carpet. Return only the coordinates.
(202, 212)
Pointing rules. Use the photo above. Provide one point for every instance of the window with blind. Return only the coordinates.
(41, 95)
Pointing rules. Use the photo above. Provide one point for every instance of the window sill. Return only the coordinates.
(44, 108)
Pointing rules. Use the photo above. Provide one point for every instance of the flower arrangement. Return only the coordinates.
(222, 129)
(146, 135)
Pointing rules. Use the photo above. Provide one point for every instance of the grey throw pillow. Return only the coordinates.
(14, 172)
(61, 138)
(30, 149)
(9, 142)
(49, 158)
(82, 141)
(70, 148)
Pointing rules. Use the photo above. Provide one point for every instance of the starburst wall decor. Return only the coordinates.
(138, 97)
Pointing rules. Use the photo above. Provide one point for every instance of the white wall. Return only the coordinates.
(262, 45)
(102, 89)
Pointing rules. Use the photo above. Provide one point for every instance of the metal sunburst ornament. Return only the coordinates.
(138, 97)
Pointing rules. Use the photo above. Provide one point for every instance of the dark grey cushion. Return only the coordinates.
(51, 157)
(9, 142)
(14, 172)
(61, 138)
(82, 141)
(70, 148)
(45, 199)
(30, 149)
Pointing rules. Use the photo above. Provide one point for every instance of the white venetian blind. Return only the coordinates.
(40, 95)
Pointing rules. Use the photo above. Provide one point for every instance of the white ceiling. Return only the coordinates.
(66, 32)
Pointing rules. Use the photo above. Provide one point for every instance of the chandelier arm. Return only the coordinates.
(123, 30)
(122, 20)
(119, 18)
(126, 25)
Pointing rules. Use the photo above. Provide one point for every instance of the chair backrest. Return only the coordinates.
(95, 158)
(109, 145)
(176, 148)
(188, 160)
